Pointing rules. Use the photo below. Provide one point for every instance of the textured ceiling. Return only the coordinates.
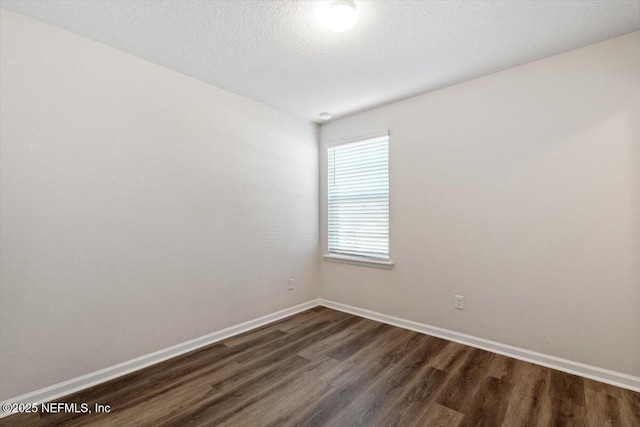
(275, 52)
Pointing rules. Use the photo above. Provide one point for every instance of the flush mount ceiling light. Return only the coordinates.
(325, 116)
(337, 15)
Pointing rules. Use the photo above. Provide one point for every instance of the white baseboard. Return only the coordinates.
(94, 378)
(592, 372)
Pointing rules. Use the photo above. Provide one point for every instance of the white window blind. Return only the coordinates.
(359, 198)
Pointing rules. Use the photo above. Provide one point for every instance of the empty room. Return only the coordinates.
(256, 213)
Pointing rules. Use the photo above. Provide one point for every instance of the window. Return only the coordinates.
(358, 200)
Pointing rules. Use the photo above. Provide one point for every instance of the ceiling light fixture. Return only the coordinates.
(337, 15)
(325, 116)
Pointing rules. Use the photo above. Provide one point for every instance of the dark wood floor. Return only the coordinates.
(324, 367)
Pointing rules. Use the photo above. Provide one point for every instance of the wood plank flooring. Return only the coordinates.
(327, 368)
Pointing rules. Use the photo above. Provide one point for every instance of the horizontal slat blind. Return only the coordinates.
(359, 198)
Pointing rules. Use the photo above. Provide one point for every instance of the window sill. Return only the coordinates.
(354, 260)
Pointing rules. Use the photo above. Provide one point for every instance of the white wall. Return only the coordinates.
(520, 191)
(139, 207)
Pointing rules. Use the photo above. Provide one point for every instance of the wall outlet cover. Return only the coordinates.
(458, 302)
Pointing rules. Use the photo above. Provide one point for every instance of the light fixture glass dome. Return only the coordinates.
(337, 15)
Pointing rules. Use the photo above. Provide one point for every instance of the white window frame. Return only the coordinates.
(351, 259)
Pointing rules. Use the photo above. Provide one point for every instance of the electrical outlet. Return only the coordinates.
(290, 283)
(458, 302)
